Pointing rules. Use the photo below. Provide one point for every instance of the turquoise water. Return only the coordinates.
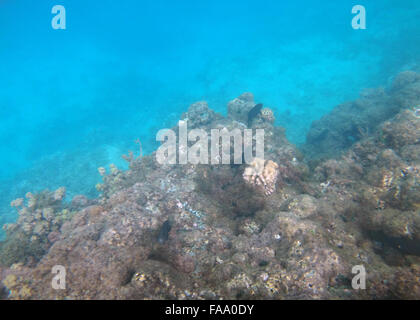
(76, 99)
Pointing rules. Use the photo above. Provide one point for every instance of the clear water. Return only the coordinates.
(76, 99)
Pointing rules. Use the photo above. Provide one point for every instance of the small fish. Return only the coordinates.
(254, 112)
(164, 232)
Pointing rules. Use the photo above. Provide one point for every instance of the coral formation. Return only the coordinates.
(239, 108)
(32, 234)
(263, 174)
(352, 121)
(268, 115)
(199, 114)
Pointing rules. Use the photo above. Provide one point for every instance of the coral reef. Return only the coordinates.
(199, 114)
(352, 121)
(239, 108)
(274, 229)
(37, 227)
(268, 115)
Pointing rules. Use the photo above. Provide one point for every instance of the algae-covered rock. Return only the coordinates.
(353, 121)
(239, 108)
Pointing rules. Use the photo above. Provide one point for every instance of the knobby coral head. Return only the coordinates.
(262, 174)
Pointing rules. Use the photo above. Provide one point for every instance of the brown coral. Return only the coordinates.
(268, 115)
(262, 173)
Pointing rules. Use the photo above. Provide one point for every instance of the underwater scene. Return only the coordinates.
(208, 150)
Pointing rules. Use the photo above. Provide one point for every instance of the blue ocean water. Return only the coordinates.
(76, 99)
